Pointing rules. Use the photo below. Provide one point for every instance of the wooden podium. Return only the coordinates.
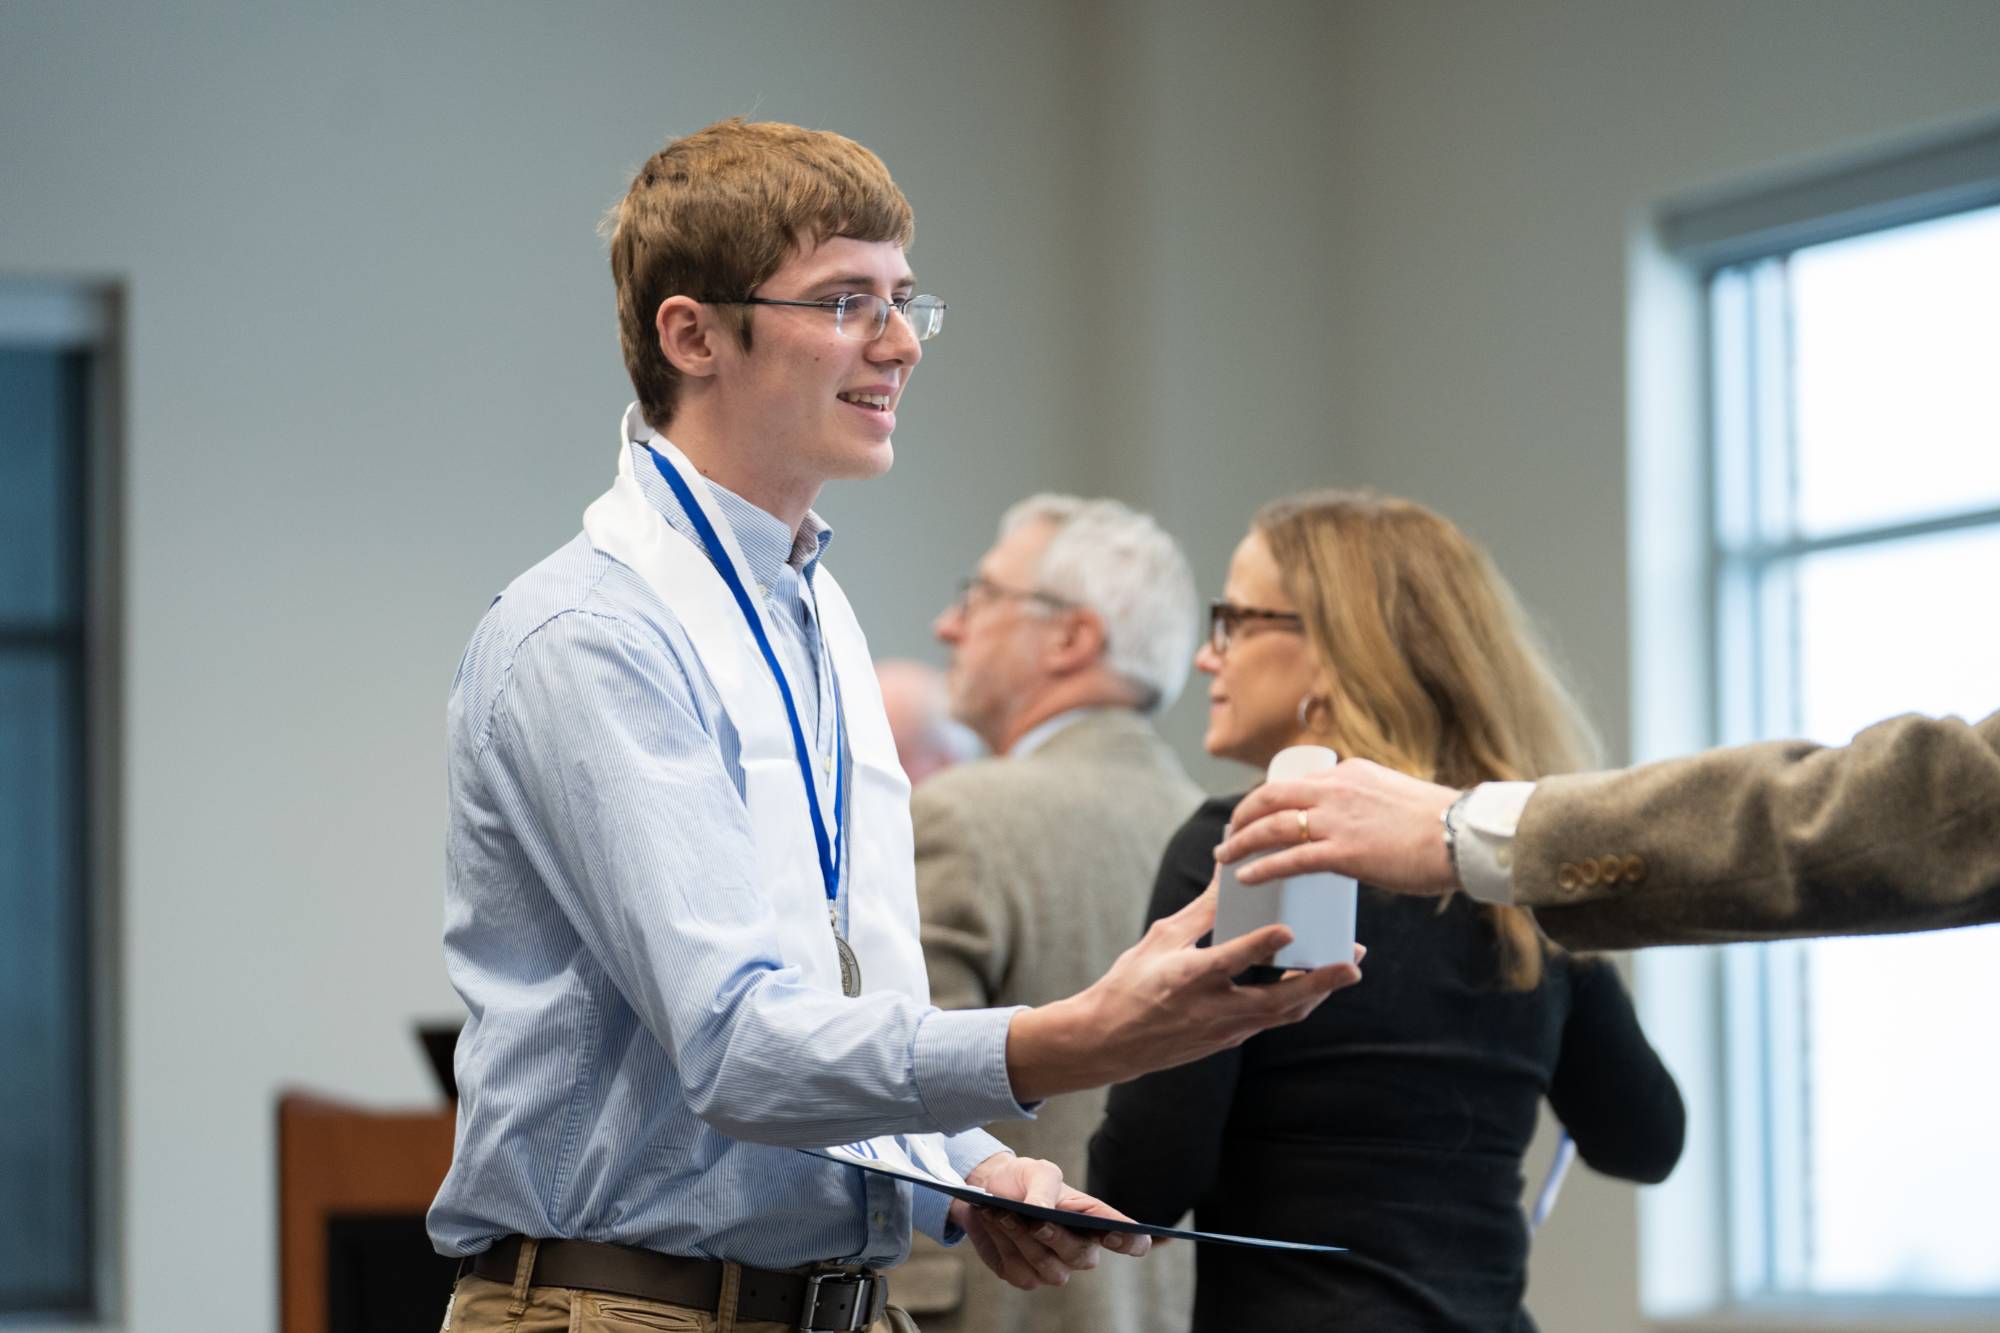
(353, 1187)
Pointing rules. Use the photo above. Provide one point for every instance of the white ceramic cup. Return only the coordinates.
(1319, 907)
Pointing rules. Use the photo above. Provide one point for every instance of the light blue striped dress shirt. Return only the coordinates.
(636, 1067)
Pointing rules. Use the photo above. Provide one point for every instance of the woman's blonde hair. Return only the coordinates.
(1433, 668)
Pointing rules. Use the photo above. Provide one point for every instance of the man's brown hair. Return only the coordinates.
(716, 213)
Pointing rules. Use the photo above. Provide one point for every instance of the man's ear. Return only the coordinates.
(688, 332)
(1079, 641)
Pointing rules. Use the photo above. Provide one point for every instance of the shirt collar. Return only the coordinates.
(762, 537)
(1044, 731)
(766, 543)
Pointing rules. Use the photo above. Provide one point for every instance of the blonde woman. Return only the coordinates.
(1393, 1120)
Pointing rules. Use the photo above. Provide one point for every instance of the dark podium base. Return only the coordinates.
(383, 1277)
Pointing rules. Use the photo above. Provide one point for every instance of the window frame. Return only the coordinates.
(1693, 569)
(85, 316)
(1756, 554)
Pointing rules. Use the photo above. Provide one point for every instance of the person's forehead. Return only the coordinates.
(1252, 570)
(842, 259)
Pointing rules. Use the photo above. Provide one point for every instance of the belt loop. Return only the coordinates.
(725, 1305)
(524, 1272)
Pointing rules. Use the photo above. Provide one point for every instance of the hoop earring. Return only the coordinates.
(1306, 706)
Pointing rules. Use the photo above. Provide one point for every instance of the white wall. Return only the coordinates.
(373, 375)
(1197, 255)
(1215, 387)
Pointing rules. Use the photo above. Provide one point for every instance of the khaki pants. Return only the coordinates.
(479, 1306)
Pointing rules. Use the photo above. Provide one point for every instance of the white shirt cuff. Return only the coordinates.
(1485, 839)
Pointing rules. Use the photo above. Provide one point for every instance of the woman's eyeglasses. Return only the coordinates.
(1226, 618)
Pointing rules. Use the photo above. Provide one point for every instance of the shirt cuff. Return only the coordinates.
(961, 1068)
(969, 1149)
(930, 1214)
(931, 1209)
(1485, 839)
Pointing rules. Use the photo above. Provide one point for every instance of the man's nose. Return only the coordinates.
(948, 624)
(898, 342)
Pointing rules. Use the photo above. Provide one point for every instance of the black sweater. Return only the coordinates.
(1392, 1121)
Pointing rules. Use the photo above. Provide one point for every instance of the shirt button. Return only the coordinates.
(881, 1219)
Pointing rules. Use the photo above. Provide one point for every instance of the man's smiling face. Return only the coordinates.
(813, 405)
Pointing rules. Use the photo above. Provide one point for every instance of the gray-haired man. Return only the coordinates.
(1033, 867)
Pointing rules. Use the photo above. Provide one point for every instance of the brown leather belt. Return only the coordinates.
(830, 1302)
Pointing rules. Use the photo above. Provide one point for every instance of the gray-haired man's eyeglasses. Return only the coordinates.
(979, 590)
(862, 316)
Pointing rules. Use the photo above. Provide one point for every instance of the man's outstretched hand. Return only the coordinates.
(1163, 1003)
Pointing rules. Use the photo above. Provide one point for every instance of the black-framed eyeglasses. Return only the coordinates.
(978, 591)
(862, 316)
(1226, 618)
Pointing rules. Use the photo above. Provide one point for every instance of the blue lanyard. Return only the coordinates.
(718, 555)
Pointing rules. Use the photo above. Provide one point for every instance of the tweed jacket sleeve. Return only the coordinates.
(1897, 831)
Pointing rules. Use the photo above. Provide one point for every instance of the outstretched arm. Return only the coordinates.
(1891, 832)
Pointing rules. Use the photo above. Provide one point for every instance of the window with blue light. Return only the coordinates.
(1855, 396)
(56, 693)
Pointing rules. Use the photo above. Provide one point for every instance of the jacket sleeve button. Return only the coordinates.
(1635, 868)
(1566, 877)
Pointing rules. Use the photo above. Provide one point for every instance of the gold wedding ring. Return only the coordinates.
(1305, 826)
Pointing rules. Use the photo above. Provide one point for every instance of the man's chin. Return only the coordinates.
(869, 463)
(955, 708)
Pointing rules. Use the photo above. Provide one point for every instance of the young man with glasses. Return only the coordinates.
(679, 904)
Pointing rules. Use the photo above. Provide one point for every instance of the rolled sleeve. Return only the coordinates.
(961, 1068)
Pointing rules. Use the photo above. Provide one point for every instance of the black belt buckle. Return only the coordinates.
(858, 1289)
